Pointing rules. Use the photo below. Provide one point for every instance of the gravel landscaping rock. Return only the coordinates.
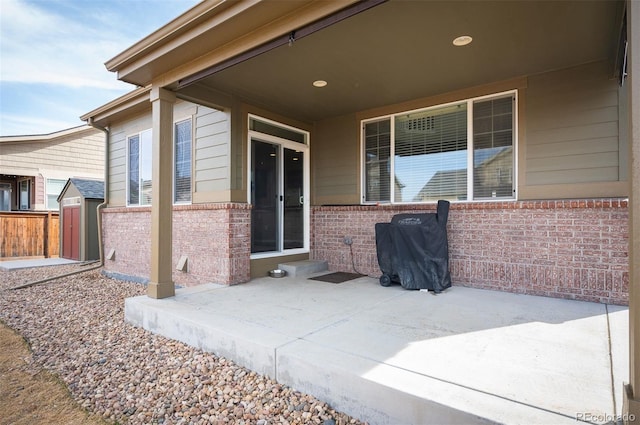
(75, 327)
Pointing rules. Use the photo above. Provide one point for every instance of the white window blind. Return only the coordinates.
(134, 170)
(140, 168)
(182, 162)
(430, 155)
(423, 156)
(493, 147)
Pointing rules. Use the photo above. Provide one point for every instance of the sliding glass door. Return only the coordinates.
(278, 194)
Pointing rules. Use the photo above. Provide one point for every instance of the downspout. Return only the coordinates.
(105, 201)
(99, 217)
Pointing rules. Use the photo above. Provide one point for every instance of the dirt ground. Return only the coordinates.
(29, 394)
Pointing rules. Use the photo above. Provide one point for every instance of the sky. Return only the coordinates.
(52, 55)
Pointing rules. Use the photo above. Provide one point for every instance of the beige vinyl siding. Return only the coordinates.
(37, 193)
(76, 154)
(569, 143)
(117, 168)
(239, 153)
(211, 149)
(183, 110)
(211, 155)
(572, 127)
(335, 154)
(118, 156)
(623, 130)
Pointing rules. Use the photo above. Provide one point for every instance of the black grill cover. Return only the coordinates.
(413, 249)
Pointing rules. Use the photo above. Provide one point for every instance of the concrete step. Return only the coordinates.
(304, 268)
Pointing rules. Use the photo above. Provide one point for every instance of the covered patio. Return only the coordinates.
(392, 356)
(246, 74)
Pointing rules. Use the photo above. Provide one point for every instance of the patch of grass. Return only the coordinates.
(30, 394)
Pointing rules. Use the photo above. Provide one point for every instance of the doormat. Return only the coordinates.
(337, 277)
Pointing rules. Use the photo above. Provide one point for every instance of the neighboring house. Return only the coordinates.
(265, 132)
(492, 177)
(450, 184)
(34, 169)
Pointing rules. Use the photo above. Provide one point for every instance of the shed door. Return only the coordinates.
(71, 233)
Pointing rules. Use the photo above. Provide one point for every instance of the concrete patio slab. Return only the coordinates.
(35, 262)
(392, 356)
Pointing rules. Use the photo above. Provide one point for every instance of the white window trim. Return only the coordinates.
(469, 102)
(127, 160)
(29, 194)
(283, 143)
(193, 132)
(274, 139)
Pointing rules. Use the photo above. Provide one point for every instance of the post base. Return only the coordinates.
(160, 290)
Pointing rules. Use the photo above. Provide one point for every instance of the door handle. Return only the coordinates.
(301, 200)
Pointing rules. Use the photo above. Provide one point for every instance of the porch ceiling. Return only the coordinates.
(403, 50)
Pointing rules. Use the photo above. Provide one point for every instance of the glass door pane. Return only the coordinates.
(264, 197)
(5, 196)
(25, 195)
(293, 211)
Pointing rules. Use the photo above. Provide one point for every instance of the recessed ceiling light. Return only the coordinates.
(319, 83)
(463, 40)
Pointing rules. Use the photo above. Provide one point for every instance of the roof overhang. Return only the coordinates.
(46, 137)
(132, 103)
(390, 53)
(211, 32)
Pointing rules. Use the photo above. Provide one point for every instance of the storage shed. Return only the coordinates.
(79, 200)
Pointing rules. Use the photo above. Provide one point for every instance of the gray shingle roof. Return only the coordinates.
(89, 189)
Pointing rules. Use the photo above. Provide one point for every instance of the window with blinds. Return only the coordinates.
(425, 155)
(134, 169)
(182, 162)
(54, 188)
(139, 168)
(493, 148)
(24, 194)
(377, 149)
(431, 158)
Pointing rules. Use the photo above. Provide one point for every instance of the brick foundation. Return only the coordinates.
(574, 249)
(216, 239)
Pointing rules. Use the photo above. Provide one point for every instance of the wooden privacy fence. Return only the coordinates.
(29, 234)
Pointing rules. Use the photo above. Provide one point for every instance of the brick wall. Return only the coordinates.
(575, 249)
(214, 237)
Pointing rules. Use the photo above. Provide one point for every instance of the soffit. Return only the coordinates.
(403, 50)
(132, 103)
(212, 31)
